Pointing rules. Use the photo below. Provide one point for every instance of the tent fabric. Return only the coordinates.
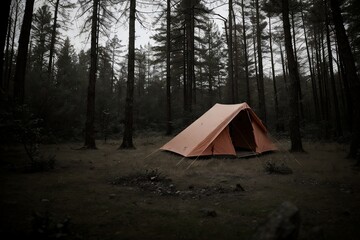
(220, 131)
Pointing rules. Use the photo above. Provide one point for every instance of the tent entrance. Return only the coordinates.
(242, 134)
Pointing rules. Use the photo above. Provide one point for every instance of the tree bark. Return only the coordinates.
(168, 70)
(262, 104)
(296, 61)
(189, 29)
(53, 38)
(5, 13)
(128, 131)
(338, 130)
(9, 70)
(248, 97)
(90, 111)
(19, 79)
(350, 69)
(294, 125)
(312, 75)
(231, 57)
(283, 66)
(278, 123)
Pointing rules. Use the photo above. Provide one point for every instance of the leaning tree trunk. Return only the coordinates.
(90, 111)
(128, 131)
(19, 79)
(350, 69)
(294, 124)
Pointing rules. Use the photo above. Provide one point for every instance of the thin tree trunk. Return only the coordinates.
(278, 124)
(53, 37)
(7, 61)
(189, 15)
(325, 87)
(294, 121)
(5, 13)
(319, 74)
(283, 66)
(185, 56)
(262, 104)
(231, 57)
(9, 71)
(21, 59)
(247, 81)
(350, 68)
(236, 61)
(296, 60)
(338, 130)
(168, 70)
(90, 110)
(128, 131)
(312, 77)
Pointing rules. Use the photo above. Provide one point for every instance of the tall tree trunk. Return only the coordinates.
(189, 28)
(168, 69)
(236, 60)
(262, 103)
(231, 57)
(248, 97)
(90, 110)
(19, 79)
(350, 68)
(5, 13)
(294, 121)
(278, 123)
(312, 75)
(319, 74)
(6, 59)
(9, 70)
(185, 56)
(296, 60)
(283, 66)
(338, 130)
(53, 37)
(128, 131)
(347, 92)
(325, 89)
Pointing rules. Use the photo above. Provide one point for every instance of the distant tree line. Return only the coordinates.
(295, 62)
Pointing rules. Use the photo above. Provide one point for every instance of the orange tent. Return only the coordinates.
(222, 130)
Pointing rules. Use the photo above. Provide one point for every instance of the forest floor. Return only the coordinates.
(148, 194)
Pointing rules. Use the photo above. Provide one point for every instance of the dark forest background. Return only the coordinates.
(295, 62)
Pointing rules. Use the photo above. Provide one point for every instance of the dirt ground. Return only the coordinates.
(102, 194)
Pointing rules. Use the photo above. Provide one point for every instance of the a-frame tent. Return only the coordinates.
(222, 130)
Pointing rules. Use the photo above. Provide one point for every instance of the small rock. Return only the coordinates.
(45, 200)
